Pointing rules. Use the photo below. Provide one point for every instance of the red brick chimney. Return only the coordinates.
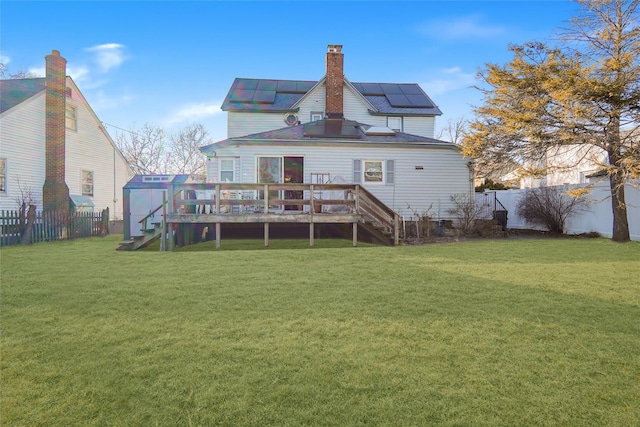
(335, 82)
(55, 193)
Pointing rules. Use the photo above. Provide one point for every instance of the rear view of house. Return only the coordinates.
(378, 135)
(54, 148)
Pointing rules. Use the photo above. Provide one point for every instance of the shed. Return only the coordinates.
(142, 195)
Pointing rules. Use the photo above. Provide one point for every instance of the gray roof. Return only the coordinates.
(16, 91)
(324, 131)
(264, 95)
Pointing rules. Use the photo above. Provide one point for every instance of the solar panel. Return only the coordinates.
(247, 84)
(332, 128)
(287, 86)
(241, 95)
(267, 85)
(411, 89)
(399, 100)
(419, 101)
(391, 89)
(369, 88)
(304, 87)
(264, 96)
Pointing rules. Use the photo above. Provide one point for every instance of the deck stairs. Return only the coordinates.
(149, 235)
(378, 220)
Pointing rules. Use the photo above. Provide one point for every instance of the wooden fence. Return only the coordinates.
(31, 226)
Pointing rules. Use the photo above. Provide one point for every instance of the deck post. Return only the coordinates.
(217, 235)
(171, 208)
(312, 209)
(217, 196)
(396, 229)
(163, 225)
(266, 234)
(355, 234)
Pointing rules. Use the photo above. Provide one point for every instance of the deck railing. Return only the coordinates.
(269, 203)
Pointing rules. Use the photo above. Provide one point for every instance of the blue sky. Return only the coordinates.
(171, 63)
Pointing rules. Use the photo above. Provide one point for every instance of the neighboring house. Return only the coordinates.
(56, 141)
(379, 135)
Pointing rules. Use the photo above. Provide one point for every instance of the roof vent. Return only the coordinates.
(291, 119)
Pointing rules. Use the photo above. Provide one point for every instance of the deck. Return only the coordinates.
(194, 206)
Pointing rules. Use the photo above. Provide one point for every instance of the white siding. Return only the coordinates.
(22, 135)
(423, 126)
(444, 172)
(241, 124)
(22, 131)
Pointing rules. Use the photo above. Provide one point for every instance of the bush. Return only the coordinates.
(549, 207)
(466, 212)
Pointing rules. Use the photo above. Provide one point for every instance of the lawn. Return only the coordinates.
(481, 333)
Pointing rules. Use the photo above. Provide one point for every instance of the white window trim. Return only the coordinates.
(233, 161)
(401, 123)
(82, 183)
(316, 113)
(67, 119)
(364, 171)
(4, 177)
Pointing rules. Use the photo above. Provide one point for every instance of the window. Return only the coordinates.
(317, 115)
(374, 171)
(227, 170)
(87, 183)
(70, 117)
(394, 123)
(3, 175)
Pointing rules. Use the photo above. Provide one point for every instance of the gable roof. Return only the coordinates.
(262, 95)
(329, 131)
(16, 91)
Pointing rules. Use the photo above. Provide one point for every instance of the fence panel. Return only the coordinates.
(49, 226)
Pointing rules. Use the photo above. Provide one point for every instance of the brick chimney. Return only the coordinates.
(335, 82)
(55, 193)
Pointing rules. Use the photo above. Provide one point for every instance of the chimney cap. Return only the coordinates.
(334, 48)
(55, 52)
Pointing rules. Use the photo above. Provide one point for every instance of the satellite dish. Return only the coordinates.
(291, 119)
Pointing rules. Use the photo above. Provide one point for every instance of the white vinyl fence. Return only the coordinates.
(598, 217)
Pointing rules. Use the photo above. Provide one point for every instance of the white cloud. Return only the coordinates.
(101, 101)
(108, 55)
(448, 80)
(4, 59)
(464, 27)
(193, 112)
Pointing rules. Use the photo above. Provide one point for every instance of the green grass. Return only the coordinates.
(481, 333)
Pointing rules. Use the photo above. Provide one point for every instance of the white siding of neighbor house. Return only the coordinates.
(22, 144)
(87, 148)
(444, 172)
(571, 163)
(241, 124)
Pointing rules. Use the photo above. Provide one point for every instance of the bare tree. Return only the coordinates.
(5, 74)
(454, 131)
(145, 150)
(185, 155)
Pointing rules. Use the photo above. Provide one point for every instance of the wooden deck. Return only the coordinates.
(211, 205)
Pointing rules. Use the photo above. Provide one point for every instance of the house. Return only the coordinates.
(377, 135)
(54, 148)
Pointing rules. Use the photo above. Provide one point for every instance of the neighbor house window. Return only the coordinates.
(87, 183)
(227, 170)
(70, 117)
(3, 175)
(394, 123)
(374, 171)
(317, 115)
